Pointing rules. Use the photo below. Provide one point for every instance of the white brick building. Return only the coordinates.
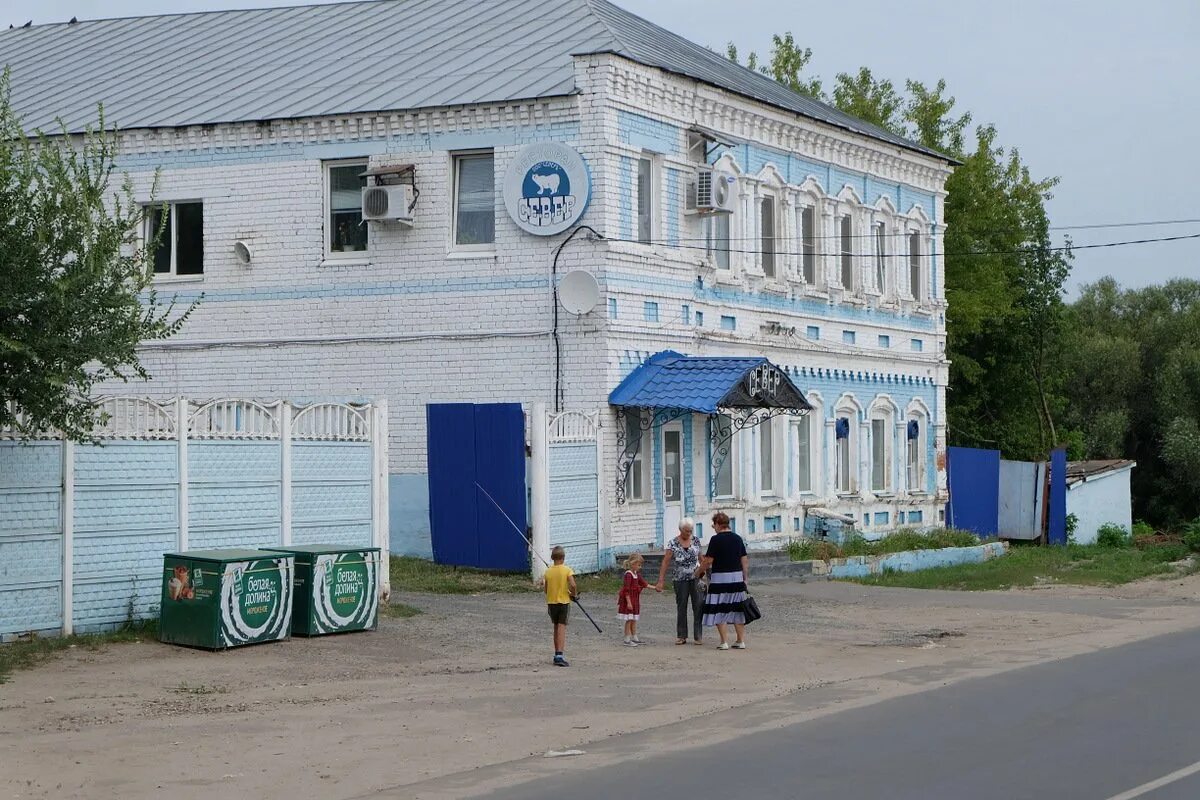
(260, 123)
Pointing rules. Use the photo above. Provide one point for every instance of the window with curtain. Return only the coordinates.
(879, 454)
(915, 473)
(645, 199)
(717, 235)
(844, 468)
(914, 265)
(767, 225)
(847, 250)
(766, 457)
(474, 200)
(635, 478)
(808, 244)
(804, 454)
(347, 232)
(881, 257)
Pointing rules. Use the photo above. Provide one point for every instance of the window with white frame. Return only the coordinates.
(808, 244)
(914, 435)
(768, 223)
(474, 209)
(721, 456)
(716, 232)
(881, 452)
(766, 457)
(636, 444)
(346, 233)
(804, 453)
(881, 256)
(846, 243)
(844, 451)
(647, 182)
(175, 232)
(915, 283)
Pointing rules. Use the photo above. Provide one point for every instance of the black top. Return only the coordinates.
(726, 550)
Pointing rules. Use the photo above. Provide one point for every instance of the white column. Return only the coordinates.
(285, 477)
(539, 476)
(68, 532)
(604, 510)
(382, 507)
(181, 432)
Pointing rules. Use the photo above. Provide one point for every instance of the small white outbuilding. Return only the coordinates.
(1098, 494)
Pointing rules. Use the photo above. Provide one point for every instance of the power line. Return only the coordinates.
(873, 256)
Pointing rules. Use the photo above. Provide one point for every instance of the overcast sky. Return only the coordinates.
(1103, 93)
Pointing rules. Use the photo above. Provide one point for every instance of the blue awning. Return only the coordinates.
(706, 384)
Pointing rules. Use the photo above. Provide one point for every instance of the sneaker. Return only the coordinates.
(630, 643)
(561, 662)
(636, 640)
(723, 646)
(739, 645)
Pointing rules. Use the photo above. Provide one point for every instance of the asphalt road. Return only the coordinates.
(1116, 724)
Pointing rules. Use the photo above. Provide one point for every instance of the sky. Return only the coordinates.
(1101, 93)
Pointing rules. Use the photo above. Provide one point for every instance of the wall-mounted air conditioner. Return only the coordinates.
(391, 203)
(712, 191)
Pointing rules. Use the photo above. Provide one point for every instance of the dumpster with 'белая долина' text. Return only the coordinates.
(336, 588)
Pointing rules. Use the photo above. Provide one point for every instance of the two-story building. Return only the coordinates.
(725, 219)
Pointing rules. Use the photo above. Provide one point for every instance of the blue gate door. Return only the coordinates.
(473, 449)
(974, 483)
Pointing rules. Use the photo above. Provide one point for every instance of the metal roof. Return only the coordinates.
(375, 55)
(1082, 471)
(703, 384)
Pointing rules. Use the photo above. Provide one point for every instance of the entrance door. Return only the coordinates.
(672, 479)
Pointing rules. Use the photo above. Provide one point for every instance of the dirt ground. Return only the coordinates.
(420, 707)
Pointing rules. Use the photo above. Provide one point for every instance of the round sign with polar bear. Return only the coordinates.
(547, 188)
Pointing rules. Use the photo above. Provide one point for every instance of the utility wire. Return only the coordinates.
(906, 256)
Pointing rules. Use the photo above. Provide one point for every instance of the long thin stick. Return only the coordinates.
(529, 544)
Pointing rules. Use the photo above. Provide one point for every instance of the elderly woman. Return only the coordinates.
(682, 557)
(728, 568)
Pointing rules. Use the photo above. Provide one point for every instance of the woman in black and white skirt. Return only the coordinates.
(728, 568)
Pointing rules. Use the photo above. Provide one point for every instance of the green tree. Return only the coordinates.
(76, 292)
(787, 63)
(874, 101)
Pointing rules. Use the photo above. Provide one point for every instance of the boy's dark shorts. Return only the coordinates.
(558, 612)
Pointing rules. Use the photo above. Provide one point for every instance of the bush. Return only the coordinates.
(1142, 528)
(1191, 536)
(1111, 535)
(856, 545)
(1166, 553)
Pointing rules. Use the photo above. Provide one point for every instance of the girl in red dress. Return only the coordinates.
(629, 600)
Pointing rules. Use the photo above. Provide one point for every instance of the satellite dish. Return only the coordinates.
(578, 292)
(243, 252)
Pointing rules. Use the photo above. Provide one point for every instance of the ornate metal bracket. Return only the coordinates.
(721, 441)
(627, 451)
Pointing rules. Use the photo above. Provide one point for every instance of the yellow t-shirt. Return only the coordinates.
(558, 590)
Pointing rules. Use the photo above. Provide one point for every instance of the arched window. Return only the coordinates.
(807, 226)
(883, 431)
(845, 434)
(916, 249)
(882, 227)
(806, 445)
(849, 210)
(916, 441)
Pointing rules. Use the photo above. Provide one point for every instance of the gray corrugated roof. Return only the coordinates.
(376, 55)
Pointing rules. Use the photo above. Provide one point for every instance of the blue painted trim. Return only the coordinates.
(647, 133)
(390, 289)
(627, 170)
(772, 302)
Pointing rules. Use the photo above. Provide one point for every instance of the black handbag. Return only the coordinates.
(750, 610)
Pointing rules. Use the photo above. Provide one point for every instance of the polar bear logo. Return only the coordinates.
(547, 184)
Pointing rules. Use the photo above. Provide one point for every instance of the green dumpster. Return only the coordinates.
(336, 588)
(226, 598)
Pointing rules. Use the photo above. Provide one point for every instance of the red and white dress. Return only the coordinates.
(629, 599)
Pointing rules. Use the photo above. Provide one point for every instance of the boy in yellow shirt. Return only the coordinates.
(560, 590)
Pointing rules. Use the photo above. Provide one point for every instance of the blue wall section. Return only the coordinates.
(126, 517)
(234, 494)
(408, 518)
(30, 537)
(574, 498)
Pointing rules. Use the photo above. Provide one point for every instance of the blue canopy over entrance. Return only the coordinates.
(707, 385)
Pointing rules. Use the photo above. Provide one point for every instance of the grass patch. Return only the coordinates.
(401, 610)
(410, 574)
(1087, 565)
(29, 652)
(898, 542)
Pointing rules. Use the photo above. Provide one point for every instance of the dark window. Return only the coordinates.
(347, 231)
(768, 236)
(177, 232)
(808, 224)
(847, 242)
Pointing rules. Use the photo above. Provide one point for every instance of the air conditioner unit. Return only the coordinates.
(392, 203)
(712, 191)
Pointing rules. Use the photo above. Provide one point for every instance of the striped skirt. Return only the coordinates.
(726, 594)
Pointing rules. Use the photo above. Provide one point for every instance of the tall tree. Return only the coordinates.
(76, 291)
(786, 65)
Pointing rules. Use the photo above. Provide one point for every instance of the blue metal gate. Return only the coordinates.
(473, 449)
(974, 484)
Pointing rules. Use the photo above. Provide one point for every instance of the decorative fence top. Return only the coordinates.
(574, 426)
(123, 418)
